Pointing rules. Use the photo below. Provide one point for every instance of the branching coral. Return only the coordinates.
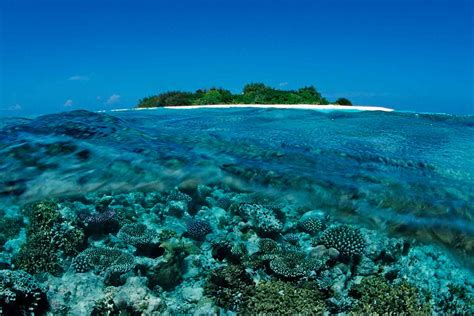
(376, 296)
(284, 298)
(177, 195)
(229, 287)
(81, 264)
(224, 202)
(292, 238)
(457, 301)
(20, 294)
(268, 246)
(47, 235)
(311, 225)
(263, 219)
(136, 234)
(324, 281)
(198, 229)
(227, 249)
(67, 238)
(347, 240)
(98, 218)
(293, 264)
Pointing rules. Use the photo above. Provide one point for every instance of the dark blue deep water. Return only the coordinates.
(404, 176)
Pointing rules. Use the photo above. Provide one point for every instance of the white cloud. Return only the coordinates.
(283, 84)
(15, 107)
(114, 98)
(68, 103)
(78, 78)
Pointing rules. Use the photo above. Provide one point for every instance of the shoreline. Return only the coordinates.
(330, 107)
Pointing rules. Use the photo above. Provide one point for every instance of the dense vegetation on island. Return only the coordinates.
(253, 93)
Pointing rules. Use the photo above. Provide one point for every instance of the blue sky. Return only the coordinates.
(62, 55)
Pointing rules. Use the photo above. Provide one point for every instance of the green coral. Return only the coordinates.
(230, 287)
(38, 254)
(43, 214)
(168, 273)
(47, 236)
(284, 298)
(376, 296)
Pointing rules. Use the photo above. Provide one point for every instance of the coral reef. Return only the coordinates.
(293, 264)
(136, 234)
(284, 298)
(311, 225)
(376, 296)
(226, 249)
(213, 251)
(263, 219)
(230, 287)
(198, 229)
(20, 294)
(47, 236)
(292, 238)
(347, 240)
(104, 261)
(168, 272)
(97, 218)
(268, 246)
(177, 195)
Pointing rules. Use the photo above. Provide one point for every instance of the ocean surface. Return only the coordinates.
(405, 176)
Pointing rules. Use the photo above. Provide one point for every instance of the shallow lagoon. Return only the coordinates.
(207, 211)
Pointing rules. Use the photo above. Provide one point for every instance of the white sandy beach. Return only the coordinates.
(330, 107)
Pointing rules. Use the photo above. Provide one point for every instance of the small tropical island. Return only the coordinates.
(253, 93)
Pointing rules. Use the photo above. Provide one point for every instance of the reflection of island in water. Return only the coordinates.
(356, 203)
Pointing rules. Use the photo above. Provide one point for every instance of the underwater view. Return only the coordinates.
(236, 211)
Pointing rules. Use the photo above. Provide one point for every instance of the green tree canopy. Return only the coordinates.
(343, 101)
(253, 93)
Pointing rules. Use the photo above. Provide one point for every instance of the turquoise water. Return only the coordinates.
(185, 200)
